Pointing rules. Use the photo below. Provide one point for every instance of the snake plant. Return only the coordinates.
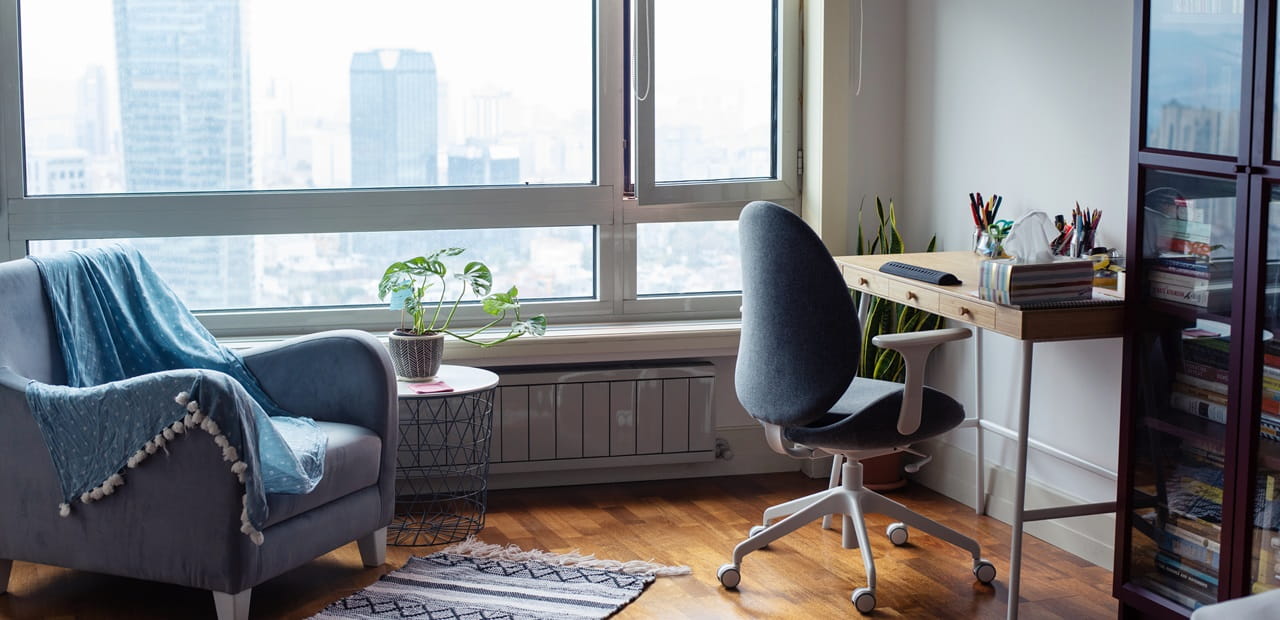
(883, 316)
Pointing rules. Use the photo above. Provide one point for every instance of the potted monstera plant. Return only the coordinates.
(417, 348)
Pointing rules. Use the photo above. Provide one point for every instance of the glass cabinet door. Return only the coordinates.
(1264, 564)
(1193, 76)
(1184, 399)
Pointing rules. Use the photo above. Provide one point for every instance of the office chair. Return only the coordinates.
(797, 361)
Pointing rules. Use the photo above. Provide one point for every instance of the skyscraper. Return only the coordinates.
(184, 88)
(393, 119)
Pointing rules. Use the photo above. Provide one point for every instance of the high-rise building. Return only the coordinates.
(394, 134)
(477, 163)
(184, 95)
(57, 172)
(93, 131)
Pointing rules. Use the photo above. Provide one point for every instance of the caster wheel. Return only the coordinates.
(729, 576)
(756, 529)
(864, 599)
(985, 571)
(897, 534)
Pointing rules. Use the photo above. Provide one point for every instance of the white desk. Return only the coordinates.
(960, 303)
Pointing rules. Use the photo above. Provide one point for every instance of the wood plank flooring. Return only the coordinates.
(692, 522)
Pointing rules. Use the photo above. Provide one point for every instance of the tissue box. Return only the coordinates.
(1064, 279)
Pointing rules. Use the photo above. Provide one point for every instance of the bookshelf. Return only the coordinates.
(1198, 517)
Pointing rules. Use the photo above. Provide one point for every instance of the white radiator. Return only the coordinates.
(548, 419)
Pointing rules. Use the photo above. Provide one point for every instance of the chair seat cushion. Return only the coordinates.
(866, 418)
(351, 463)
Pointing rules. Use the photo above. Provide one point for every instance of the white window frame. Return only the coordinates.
(602, 205)
(707, 201)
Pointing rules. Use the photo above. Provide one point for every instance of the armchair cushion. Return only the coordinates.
(352, 459)
(865, 418)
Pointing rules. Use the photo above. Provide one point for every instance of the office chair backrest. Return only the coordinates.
(800, 337)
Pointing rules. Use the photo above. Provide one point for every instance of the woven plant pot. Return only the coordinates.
(416, 358)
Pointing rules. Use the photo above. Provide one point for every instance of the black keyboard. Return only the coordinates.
(923, 274)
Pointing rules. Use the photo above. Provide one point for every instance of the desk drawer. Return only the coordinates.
(967, 310)
(866, 282)
(914, 296)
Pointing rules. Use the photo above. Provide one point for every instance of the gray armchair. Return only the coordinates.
(177, 519)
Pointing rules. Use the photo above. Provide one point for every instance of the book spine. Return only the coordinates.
(1190, 282)
(1207, 372)
(1191, 579)
(1179, 294)
(1194, 406)
(1204, 395)
(1199, 248)
(1213, 387)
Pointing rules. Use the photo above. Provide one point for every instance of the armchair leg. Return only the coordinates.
(373, 548)
(5, 567)
(232, 606)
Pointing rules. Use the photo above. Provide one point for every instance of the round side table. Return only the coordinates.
(442, 464)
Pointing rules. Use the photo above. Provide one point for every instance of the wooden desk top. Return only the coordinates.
(961, 302)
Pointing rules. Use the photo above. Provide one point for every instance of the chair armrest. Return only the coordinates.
(915, 348)
(334, 376)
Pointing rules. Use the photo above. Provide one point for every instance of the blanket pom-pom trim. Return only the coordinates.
(193, 418)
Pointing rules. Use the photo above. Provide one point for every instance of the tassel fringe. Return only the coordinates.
(193, 418)
(476, 549)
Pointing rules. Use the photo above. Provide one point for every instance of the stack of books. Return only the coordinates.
(1191, 279)
(1020, 284)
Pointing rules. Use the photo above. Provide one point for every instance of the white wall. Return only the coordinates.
(1030, 100)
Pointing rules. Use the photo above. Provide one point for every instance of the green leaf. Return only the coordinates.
(535, 326)
(477, 277)
(498, 303)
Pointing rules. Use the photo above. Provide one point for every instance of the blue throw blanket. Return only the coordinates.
(141, 370)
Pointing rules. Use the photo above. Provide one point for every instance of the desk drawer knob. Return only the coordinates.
(862, 282)
(912, 296)
(966, 312)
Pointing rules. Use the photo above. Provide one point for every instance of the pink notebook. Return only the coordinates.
(430, 388)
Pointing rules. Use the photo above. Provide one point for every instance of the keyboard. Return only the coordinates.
(916, 272)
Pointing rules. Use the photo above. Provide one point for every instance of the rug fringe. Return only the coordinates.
(476, 549)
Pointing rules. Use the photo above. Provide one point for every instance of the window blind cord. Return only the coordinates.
(648, 54)
(861, 20)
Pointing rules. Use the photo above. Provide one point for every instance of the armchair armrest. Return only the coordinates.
(915, 348)
(334, 376)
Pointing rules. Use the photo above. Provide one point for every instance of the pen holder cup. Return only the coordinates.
(988, 245)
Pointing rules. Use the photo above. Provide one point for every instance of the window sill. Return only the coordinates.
(586, 343)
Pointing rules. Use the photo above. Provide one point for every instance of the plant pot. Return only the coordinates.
(883, 473)
(416, 357)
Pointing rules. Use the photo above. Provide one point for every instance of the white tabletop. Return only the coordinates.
(463, 380)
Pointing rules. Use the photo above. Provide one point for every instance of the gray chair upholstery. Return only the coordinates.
(797, 361)
(177, 519)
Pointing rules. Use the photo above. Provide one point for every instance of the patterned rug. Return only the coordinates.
(475, 581)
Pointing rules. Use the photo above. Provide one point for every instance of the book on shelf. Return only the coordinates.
(1196, 283)
(1211, 297)
(1188, 578)
(1211, 352)
(1266, 539)
(1186, 403)
(1206, 385)
(1199, 393)
(1171, 592)
(1206, 372)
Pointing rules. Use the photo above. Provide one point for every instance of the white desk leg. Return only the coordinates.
(980, 500)
(1020, 480)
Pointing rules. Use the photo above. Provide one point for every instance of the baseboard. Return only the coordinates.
(747, 454)
(951, 473)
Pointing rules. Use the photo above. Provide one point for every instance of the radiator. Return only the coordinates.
(547, 419)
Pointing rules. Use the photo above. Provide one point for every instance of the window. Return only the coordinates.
(272, 157)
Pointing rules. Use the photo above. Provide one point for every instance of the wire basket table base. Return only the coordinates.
(442, 472)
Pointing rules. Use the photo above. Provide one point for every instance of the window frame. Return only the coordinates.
(602, 204)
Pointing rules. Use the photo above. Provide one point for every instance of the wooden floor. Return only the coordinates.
(692, 522)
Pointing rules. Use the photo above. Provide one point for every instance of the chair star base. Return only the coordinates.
(852, 500)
